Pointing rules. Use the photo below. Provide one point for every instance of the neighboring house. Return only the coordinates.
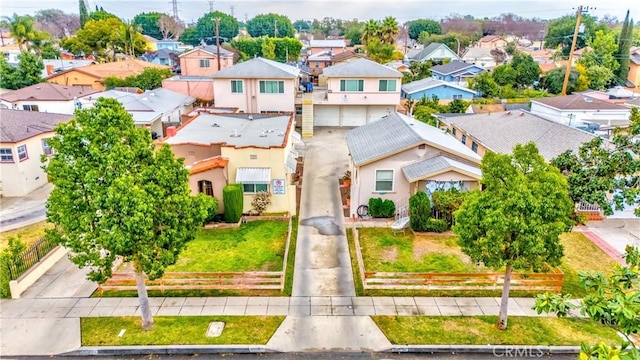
(319, 61)
(45, 97)
(168, 44)
(500, 132)
(199, 87)
(578, 110)
(255, 150)
(52, 66)
(634, 67)
(154, 109)
(435, 52)
(11, 53)
(162, 57)
(479, 56)
(484, 108)
(428, 87)
(23, 140)
(491, 42)
(152, 43)
(398, 66)
(357, 92)
(396, 156)
(456, 71)
(615, 95)
(203, 61)
(346, 56)
(335, 46)
(94, 75)
(257, 86)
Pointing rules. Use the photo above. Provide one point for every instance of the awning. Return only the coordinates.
(253, 176)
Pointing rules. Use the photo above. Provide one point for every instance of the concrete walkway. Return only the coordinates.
(16, 212)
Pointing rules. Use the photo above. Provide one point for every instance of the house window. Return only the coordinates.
(352, 85)
(317, 65)
(387, 85)
(253, 157)
(46, 149)
(474, 146)
(453, 131)
(384, 180)
(254, 188)
(271, 87)
(205, 187)
(30, 107)
(204, 63)
(298, 110)
(457, 97)
(464, 139)
(22, 152)
(6, 155)
(236, 87)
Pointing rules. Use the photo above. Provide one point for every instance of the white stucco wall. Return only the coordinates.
(21, 177)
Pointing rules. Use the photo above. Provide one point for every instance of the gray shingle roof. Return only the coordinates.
(48, 92)
(428, 50)
(577, 102)
(428, 83)
(393, 133)
(501, 132)
(420, 169)
(451, 67)
(361, 68)
(259, 68)
(18, 125)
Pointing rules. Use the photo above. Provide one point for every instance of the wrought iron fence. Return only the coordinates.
(31, 256)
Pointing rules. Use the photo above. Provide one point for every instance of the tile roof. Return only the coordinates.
(501, 132)
(121, 69)
(207, 164)
(429, 83)
(374, 141)
(423, 168)
(490, 38)
(577, 102)
(48, 92)
(361, 68)
(477, 52)
(345, 55)
(18, 125)
(451, 67)
(258, 68)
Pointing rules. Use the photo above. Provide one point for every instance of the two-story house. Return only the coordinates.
(319, 46)
(255, 150)
(357, 92)
(23, 140)
(45, 97)
(456, 71)
(491, 42)
(257, 86)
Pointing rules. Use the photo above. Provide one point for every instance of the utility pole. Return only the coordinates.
(218, 41)
(210, 6)
(581, 9)
(275, 28)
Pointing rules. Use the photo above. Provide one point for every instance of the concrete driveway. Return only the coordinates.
(16, 212)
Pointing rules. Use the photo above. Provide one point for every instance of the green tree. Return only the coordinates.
(599, 61)
(416, 27)
(302, 25)
(389, 30)
(370, 31)
(354, 34)
(553, 80)
(458, 106)
(287, 49)
(23, 31)
(379, 51)
(233, 200)
(560, 32)
(612, 300)
(150, 78)
(269, 48)
(504, 75)
(624, 47)
(527, 70)
(485, 85)
(148, 23)
(248, 47)
(84, 13)
(516, 220)
(511, 48)
(266, 24)
(206, 27)
(190, 36)
(420, 210)
(28, 72)
(106, 38)
(127, 199)
(102, 15)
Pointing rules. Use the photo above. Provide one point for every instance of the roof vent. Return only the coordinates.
(281, 133)
(235, 133)
(152, 94)
(250, 118)
(38, 87)
(263, 134)
(588, 100)
(215, 125)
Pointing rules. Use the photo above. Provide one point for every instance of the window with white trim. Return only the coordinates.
(205, 63)
(457, 97)
(352, 85)
(22, 152)
(254, 188)
(6, 155)
(236, 87)
(30, 107)
(271, 87)
(387, 85)
(46, 149)
(384, 180)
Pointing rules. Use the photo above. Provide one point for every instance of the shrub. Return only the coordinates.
(388, 209)
(437, 225)
(419, 211)
(447, 202)
(212, 209)
(233, 202)
(261, 200)
(11, 255)
(375, 207)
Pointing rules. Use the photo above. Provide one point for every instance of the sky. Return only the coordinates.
(402, 10)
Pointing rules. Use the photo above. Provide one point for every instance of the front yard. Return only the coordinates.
(28, 234)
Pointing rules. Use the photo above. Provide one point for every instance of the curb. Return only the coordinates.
(497, 350)
(167, 350)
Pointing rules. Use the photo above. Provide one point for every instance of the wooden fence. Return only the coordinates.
(550, 281)
(248, 280)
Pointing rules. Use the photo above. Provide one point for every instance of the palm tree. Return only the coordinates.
(370, 31)
(22, 30)
(389, 30)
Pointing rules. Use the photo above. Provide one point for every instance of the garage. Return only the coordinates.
(353, 115)
(375, 112)
(326, 115)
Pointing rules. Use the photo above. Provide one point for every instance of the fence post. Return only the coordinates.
(38, 249)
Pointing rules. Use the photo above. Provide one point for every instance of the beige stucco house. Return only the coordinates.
(255, 150)
(396, 156)
(23, 136)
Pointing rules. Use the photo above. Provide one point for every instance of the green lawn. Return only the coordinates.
(254, 246)
(481, 330)
(178, 330)
(581, 255)
(28, 234)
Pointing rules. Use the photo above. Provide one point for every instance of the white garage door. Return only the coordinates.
(353, 115)
(376, 112)
(326, 115)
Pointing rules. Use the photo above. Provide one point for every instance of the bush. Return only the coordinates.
(212, 208)
(419, 211)
(261, 200)
(233, 201)
(11, 255)
(388, 209)
(375, 207)
(437, 225)
(447, 202)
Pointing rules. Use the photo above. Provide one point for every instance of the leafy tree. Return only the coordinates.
(206, 26)
(419, 210)
(28, 72)
(599, 61)
(148, 23)
(527, 70)
(370, 31)
(416, 27)
(560, 32)
(612, 300)
(447, 202)
(511, 48)
(269, 48)
(128, 200)
(458, 106)
(379, 51)
(266, 24)
(302, 25)
(56, 23)
(102, 15)
(624, 47)
(252, 47)
(515, 222)
(150, 78)
(485, 85)
(354, 34)
(499, 55)
(84, 13)
(599, 169)
(554, 79)
(389, 30)
(169, 27)
(504, 75)
(106, 37)
(23, 31)
(233, 200)
(190, 36)
(424, 113)
(287, 49)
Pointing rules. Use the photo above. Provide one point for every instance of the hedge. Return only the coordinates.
(232, 197)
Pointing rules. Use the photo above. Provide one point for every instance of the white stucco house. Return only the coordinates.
(578, 110)
(46, 97)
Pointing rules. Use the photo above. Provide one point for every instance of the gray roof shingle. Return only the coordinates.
(451, 67)
(18, 125)
(420, 169)
(258, 68)
(428, 83)
(577, 102)
(361, 68)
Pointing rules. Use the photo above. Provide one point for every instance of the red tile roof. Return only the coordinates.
(208, 164)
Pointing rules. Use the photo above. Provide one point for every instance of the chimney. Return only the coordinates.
(171, 131)
(50, 69)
